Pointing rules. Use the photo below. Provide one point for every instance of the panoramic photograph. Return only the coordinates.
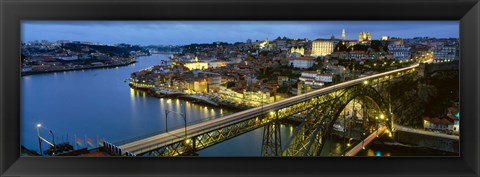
(240, 88)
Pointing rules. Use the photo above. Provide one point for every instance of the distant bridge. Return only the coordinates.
(322, 107)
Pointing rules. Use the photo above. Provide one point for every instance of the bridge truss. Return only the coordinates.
(308, 138)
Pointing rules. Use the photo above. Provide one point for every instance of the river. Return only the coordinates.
(99, 103)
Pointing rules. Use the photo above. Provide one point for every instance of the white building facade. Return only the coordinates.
(315, 78)
(301, 62)
(322, 47)
(445, 53)
(399, 52)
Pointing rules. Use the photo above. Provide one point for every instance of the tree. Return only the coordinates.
(376, 45)
(340, 47)
(283, 89)
(358, 47)
(230, 84)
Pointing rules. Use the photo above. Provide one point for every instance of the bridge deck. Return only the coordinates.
(157, 141)
(355, 150)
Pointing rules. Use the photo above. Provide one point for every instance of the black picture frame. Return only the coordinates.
(14, 11)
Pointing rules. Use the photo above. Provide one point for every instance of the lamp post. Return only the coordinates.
(306, 91)
(262, 102)
(184, 118)
(166, 120)
(53, 136)
(39, 140)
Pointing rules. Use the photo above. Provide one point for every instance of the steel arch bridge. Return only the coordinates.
(322, 106)
(309, 137)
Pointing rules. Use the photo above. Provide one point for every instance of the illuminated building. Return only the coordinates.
(322, 47)
(217, 63)
(196, 65)
(265, 45)
(343, 34)
(299, 50)
(200, 86)
(364, 37)
(385, 38)
(249, 98)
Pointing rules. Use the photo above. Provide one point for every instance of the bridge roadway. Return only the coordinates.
(355, 150)
(157, 141)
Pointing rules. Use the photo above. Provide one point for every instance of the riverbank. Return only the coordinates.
(81, 103)
(201, 100)
(74, 69)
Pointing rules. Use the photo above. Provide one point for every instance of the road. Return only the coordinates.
(423, 132)
(355, 150)
(156, 141)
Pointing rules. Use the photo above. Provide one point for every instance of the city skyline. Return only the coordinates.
(188, 32)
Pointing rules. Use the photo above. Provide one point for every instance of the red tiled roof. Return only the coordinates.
(437, 120)
(452, 117)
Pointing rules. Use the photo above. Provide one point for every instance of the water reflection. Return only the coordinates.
(97, 102)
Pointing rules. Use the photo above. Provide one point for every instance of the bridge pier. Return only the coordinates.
(272, 145)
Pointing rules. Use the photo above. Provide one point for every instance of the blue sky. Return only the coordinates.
(187, 32)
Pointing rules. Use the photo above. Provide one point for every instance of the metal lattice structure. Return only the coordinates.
(323, 110)
(309, 138)
(210, 138)
(272, 144)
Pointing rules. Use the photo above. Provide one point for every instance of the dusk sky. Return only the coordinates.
(187, 32)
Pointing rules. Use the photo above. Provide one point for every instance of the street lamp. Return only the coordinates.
(53, 136)
(306, 91)
(262, 102)
(184, 118)
(39, 140)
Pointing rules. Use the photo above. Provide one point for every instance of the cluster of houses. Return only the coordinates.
(240, 68)
(450, 123)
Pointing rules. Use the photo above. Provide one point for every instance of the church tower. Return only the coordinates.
(343, 34)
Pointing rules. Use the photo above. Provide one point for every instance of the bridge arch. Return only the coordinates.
(324, 122)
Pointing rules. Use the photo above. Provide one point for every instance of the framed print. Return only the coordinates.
(243, 88)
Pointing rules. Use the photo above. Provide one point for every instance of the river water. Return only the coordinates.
(89, 105)
(99, 103)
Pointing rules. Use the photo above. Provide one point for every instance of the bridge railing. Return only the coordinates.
(170, 128)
